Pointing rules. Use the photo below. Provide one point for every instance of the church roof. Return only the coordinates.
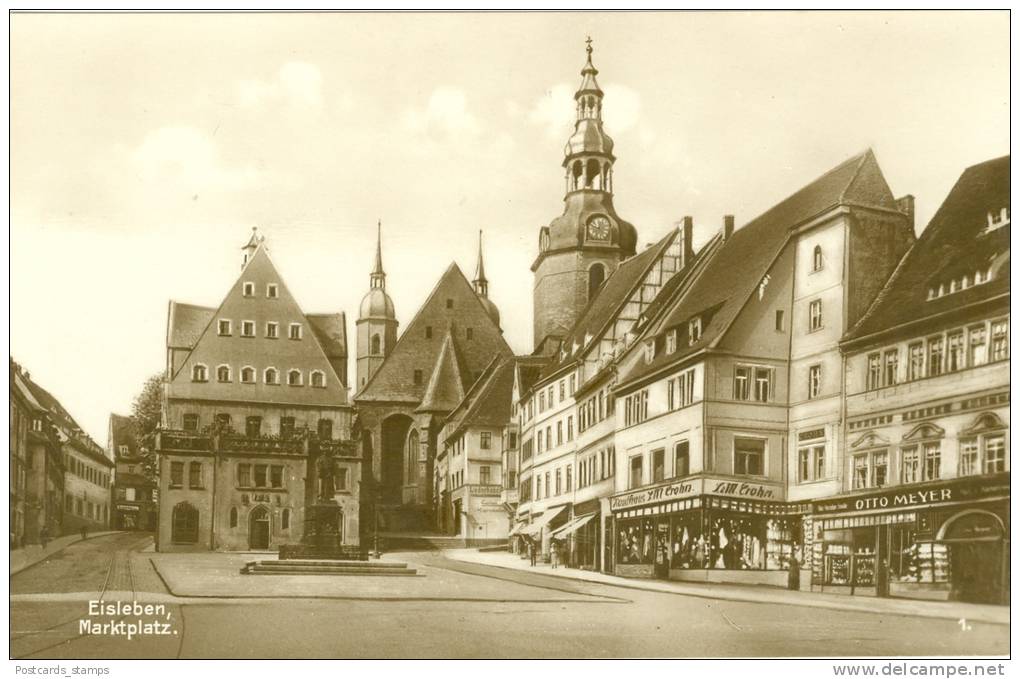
(448, 380)
(451, 310)
(738, 266)
(957, 242)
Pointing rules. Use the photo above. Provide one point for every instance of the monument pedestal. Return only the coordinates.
(322, 538)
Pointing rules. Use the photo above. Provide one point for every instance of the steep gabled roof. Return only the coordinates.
(448, 381)
(63, 420)
(529, 371)
(734, 272)
(488, 402)
(331, 331)
(415, 350)
(122, 432)
(186, 323)
(957, 242)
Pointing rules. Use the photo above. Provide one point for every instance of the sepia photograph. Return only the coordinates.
(509, 335)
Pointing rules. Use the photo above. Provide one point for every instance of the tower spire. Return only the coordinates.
(378, 277)
(480, 282)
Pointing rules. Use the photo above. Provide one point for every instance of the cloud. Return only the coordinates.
(185, 155)
(297, 83)
(445, 115)
(621, 108)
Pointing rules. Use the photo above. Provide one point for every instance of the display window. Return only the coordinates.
(688, 548)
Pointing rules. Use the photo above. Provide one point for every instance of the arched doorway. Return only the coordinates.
(258, 528)
(394, 435)
(184, 525)
(979, 556)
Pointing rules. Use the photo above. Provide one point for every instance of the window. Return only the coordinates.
(195, 475)
(428, 332)
(636, 408)
(294, 378)
(223, 420)
(811, 463)
(814, 381)
(223, 327)
(541, 401)
(879, 468)
(190, 422)
(874, 371)
(285, 519)
(563, 389)
(318, 378)
(890, 364)
(658, 465)
(741, 383)
(223, 373)
(573, 385)
(417, 377)
(485, 440)
(1000, 340)
(341, 479)
(932, 460)
(635, 472)
(954, 355)
(294, 331)
(484, 475)
(272, 291)
(995, 453)
(272, 330)
(570, 475)
(682, 459)
(694, 329)
(559, 433)
(763, 384)
(570, 427)
(248, 374)
(449, 303)
(199, 373)
(248, 289)
(816, 259)
(815, 315)
(539, 438)
(935, 352)
(261, 476)
(680, 390)
(276, 476)
(376, 344)
(978, 349)
(271, 376)
(915, 361)
(244, 475)
(748, 456)
(559, 488)
(911, 465)
(671, 341)
(247, 328)
(780, 321)
(184, 524)
(233, 517)
(470, 333)
(970, 454)
(253, 426)
(286, 427)
(325, 429)
(176, 474)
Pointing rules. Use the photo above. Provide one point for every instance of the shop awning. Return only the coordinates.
(536, 526)
(572, 526)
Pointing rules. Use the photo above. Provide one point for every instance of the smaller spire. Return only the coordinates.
(481, 284)
(251, 246)
(378, 277)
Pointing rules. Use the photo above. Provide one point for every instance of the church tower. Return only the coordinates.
(481, 286)
(377, 321)
(583, 246)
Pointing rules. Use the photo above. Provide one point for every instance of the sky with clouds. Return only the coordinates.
(145, 147)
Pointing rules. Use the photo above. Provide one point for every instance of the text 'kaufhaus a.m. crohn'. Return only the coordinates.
(814, 398)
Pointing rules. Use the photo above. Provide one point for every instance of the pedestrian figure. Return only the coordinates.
(531, 551)
(44, 536)
(84, 532)
(554, 554)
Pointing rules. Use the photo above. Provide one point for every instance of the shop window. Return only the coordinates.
(1000, 340)
(195, 475)
(244, 475)
(658, 465)
(682, 459)
(276, 476)
(915, 365)
(253, 426)
(910, 465)
(636, 464)
(748, 456)
(635, 542)
(233, 517)
(936, 349)
(190, 422)
(176, 474)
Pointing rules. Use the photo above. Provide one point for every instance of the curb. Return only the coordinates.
(43, 557)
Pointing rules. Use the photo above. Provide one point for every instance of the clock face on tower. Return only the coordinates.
(599, 227)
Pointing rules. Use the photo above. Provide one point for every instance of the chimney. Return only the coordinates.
(687, 237)
(727, 227)
(906, 206)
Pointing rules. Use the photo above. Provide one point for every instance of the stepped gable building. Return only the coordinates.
(475, 439)
(583, 246)
(255, 393)
(425, 375)
(729, 405)
(925, 478)
(134, 494)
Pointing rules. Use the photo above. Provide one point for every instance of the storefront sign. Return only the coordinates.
(127, 508)
(647, 496)
(739, 489)
(954, 491)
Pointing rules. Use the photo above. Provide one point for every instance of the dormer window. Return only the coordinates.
(223, 373)
(247, 328)
(272, 330)
(997, 219)
(248, 289)
(199, 373)
(294, 331)
(694, 329)
(272, 291)
(671, 341)
(649, 351)
(294, 378)
(223, 327)
(318, 378)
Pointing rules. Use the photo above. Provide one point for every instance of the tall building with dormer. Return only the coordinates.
(582, 247)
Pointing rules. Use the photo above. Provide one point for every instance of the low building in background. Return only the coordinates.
(134, 494)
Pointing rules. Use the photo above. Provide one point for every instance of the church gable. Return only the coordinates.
(454, 306)
(259, 346)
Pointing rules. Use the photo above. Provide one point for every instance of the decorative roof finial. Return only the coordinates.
(588, 42)
(378, 276)
(481, 284)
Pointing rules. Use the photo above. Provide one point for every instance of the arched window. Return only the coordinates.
(411, 457)
(199, 373)
(248, 374)
(294, 378)
(816, 259)
(223, 373)
(596, 276)
(376, 344)
(318, 378)
(271, 376)
(285, 519)
(233, 517)
(184, 525)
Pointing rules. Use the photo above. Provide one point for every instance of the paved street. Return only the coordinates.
(455, 609)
